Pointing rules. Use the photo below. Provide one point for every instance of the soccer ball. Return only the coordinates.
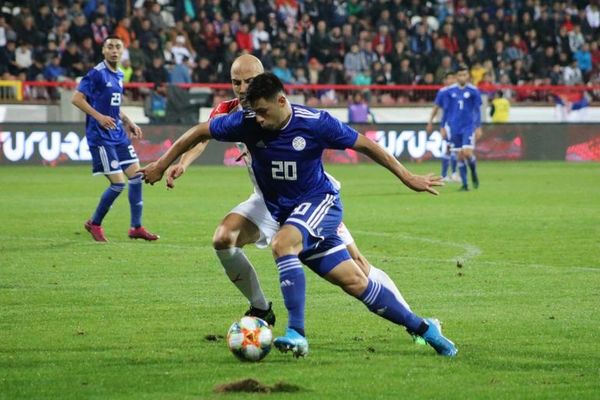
(249, 339)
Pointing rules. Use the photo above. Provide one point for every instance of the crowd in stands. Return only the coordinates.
(357, 42)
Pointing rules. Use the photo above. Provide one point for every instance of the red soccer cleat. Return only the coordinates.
(142, 233)
(96, 231)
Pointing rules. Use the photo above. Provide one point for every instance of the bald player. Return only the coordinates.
(250, 221)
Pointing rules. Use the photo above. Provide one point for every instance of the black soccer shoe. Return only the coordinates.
(267, 315)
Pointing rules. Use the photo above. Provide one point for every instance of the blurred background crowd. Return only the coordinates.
(360, 42)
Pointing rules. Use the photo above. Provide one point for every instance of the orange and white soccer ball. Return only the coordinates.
(250, 339)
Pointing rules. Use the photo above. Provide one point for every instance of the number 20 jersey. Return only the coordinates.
(287, 163)
(103, 89)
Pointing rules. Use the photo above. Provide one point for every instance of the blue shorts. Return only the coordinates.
(108, 160)
(317, 218)
(462, 140)
(329, 253)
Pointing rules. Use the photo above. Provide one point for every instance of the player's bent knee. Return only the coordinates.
(224, 238)
(283, 246)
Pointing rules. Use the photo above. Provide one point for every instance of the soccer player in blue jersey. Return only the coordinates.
(449, 157)
(250, 221)
(107, 131)
(286, 143)
(464, 120)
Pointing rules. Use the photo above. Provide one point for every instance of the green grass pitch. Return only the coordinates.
(128, 320)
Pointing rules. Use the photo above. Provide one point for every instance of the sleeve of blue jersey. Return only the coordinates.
(88, 83)
(438, 99)
(228, 128)
(477, 109)
(336, 134)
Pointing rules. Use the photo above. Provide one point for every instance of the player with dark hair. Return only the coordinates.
(250, 221)
(463, 102)
(107, 130)
(286, 143)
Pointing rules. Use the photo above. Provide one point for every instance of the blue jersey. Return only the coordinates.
(287, 163)
(441, 100)
(464, 109)
(103, 89)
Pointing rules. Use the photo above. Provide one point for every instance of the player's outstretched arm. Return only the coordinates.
(187, 158)
(419, 183)
(79, 101)
(154, 171)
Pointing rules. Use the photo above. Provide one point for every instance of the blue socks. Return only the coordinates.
(382, 302)
(108, 198)
(462, 169)
(293, 289)
(472, 163)
(135, 201)
(445, 164)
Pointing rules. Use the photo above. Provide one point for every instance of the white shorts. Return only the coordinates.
(345, 235)
(255, 210)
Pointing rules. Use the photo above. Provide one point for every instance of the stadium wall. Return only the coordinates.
(57, 144)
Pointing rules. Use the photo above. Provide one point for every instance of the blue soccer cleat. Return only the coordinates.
(434, 337)
(293, 341)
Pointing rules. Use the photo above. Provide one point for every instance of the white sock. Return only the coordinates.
(380, 276)
(243, 275)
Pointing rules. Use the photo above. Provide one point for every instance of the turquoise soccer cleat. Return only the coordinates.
(292, 341)
(433, 336)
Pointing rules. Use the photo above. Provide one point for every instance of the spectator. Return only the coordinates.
(204, 72)
(244, 39)
(448, 38)
(44, 22)
(99, 31)
(354, 62)
(153, 51)
(384, 38)
(71, 61)
(358, 110)
(156, 19)
(80, 29)
(23, 56)
(211, 42)
(123, 30)
(53, 71)
(88, 54)
(576, 39)
(556, 75)
(259, 34)
(168, 53)
(157, 73)
(8, 57)
(562, 41)
(29, 33)
(500, 109)
(283, 72)
(247, 9)
(127, 70)
(35, 69)
(584, 61)
(572, 74)
(518, 74)
(314, 71)
(300, 76)
(405, 75)
(181, 72)
(592, 15)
